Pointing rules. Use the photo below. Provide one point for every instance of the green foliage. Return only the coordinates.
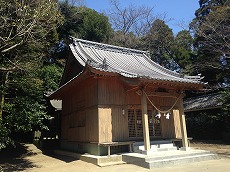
(85, 23)
(182, 49)
(4, 135)
(27, 30)
(160, 41)
(51, 76)
(211, 31)
(206, 6)
(95, 26)
(25, 110)
(26, 114)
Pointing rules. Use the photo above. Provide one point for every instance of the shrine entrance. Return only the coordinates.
(136, 127)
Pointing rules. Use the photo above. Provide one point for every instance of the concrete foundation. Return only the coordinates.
(165, 159)
(91, 148)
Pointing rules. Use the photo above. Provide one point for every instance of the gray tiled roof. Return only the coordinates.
(126, 62)
(208, 101)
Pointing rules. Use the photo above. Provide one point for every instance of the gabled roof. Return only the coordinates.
(203, 102)
(124, 61)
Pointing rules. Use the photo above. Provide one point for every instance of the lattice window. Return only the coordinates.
(139, 123)
(131, 118)
(154, 124)
(136, 127)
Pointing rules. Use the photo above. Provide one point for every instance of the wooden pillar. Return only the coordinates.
(183, 123)
(145, 122)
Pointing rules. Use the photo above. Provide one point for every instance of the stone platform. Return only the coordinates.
(168, 158)
(156, 160)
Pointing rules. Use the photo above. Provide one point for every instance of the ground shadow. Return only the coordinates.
(13, 158)
(66, 159)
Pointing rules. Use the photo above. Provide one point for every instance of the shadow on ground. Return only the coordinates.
(66, 159)
(13, 158)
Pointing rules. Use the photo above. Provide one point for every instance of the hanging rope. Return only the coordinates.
(161, 111)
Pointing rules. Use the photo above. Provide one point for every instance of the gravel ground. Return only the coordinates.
(26, 157)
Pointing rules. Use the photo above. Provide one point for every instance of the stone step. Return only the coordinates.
(175, 156)
(155, 147)
(168, 159)
(111, 163)
(157, 142)
(180, 160)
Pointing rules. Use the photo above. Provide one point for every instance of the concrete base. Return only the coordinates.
(94, 159)
(156, 146)
(166, 159)
(185, 149)
(148, 152)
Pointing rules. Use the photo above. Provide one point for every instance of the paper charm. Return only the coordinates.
(167, 115)
(158, 115)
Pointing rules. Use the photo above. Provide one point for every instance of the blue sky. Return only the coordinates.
(177, 10)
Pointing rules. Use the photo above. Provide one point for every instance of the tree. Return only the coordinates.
(95, 26)
(206, 6)
(183, 51)
(211, 30)
(27, 29)
(23, 23)
(159, 41)
(129, 21)
(51, 75)
(85, 23)
(214, 31)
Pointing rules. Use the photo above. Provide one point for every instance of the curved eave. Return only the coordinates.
(184, 85)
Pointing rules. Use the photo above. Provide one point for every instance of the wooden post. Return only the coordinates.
(145, 122)
(109, 150)
(183, 124)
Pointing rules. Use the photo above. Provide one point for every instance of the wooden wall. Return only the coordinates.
(105, 124)
(112, 101)
(80, 112)
(93, 111)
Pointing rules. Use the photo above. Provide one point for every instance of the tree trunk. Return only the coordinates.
(5, 77)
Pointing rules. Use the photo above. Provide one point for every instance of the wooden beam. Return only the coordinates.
(183, 124)
(145, 122)
(164, 94)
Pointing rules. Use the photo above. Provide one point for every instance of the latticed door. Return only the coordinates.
(154, 124)
(136, 127)
(139, 131)
(131, 119)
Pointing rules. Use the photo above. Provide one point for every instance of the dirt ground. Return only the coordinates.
(26, 157)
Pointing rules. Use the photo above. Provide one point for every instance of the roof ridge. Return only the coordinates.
(103, 45)
(202, 96)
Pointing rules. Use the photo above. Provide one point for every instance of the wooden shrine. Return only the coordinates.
(118, 95)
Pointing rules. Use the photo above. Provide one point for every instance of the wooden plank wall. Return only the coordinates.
(92, 111)
(111, 101)
(120, 124)
(105, 125)
(80, 112)
(111, 91)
